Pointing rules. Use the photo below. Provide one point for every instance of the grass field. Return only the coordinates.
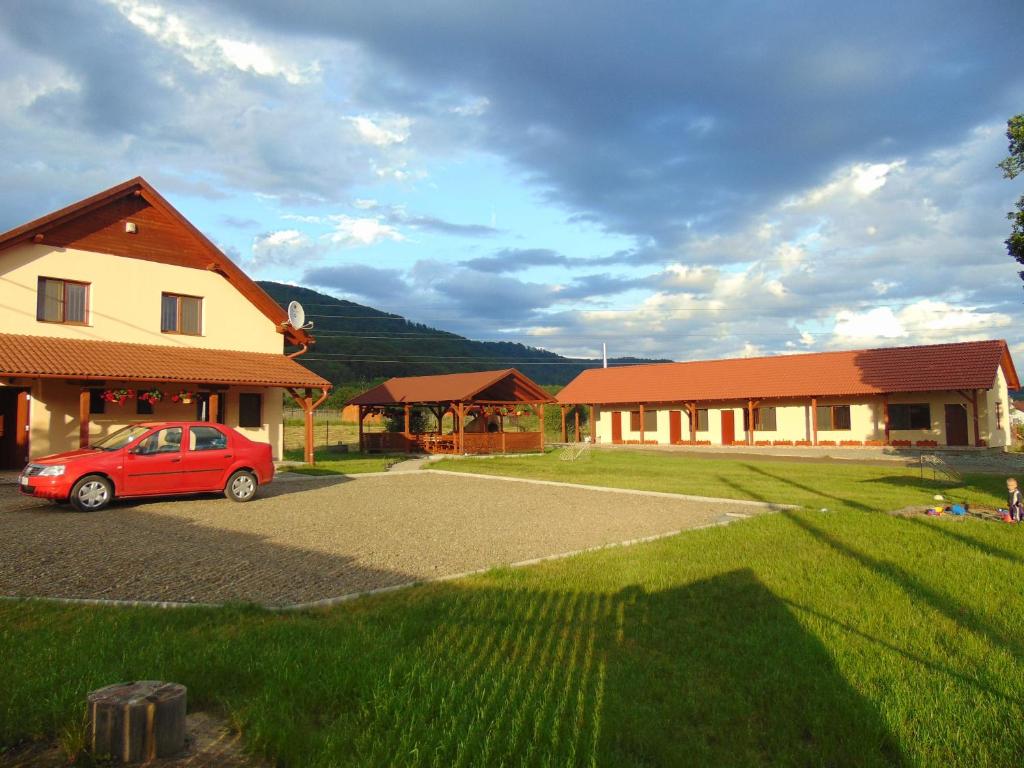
(330, 462)
(800, 638)
(834, 486)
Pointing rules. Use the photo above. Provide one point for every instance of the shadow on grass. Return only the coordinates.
(809, 489)
(942, 529)
(960, 614)
(715, 673)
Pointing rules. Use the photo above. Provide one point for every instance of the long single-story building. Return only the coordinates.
(924, 396)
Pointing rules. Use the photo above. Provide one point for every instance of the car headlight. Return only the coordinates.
(53, 470)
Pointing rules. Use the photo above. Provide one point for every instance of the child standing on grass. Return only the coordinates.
(1014, 501)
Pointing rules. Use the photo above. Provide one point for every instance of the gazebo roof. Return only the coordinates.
(505, 386)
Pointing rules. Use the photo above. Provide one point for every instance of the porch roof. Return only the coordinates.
(25, 356)
(507, 385)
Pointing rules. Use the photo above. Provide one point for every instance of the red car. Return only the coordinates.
(152, 459)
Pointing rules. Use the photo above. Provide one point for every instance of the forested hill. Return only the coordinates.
(361, 344)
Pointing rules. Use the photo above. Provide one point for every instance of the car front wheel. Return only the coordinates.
(91, 494)
(241, 486)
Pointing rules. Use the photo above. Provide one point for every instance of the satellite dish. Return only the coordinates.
(297, 316)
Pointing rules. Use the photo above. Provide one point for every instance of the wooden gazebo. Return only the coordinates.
(485, 409)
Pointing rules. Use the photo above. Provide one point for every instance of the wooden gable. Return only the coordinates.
(158, 237)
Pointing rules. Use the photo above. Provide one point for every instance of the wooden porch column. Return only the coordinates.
(308, 408)
(974, 415)
(83, 418)
(692, 408)
(213, 405)
(750, 422)
(576, 431)
(641, 423)
(541, 418)
(593, 424)
(407, 433)
(885, 416)
(362, 415)
(814, 421)
(462, 433)
(565, 432)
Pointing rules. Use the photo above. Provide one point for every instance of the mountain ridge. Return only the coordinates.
(355, 342)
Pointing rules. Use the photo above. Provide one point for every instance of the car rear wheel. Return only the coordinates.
(241, 486)
(91, 494)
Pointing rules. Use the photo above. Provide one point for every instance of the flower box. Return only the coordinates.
(927, 444)
(852, 443)
(763, 442)
(826, 442)
(802, 443)
(874, 443)
(900, 443)
(783, 442)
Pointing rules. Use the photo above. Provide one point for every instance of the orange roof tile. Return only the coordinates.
(48, 357)
(966, 365)
(506, 385)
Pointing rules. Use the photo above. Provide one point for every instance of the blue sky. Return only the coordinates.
(680, 180)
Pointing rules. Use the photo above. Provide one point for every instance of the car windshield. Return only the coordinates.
(121, 438)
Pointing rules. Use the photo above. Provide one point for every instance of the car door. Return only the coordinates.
(153, 465)
(207, 459)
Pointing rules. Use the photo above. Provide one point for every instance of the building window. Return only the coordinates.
(634, 421)
(143, 407)
(250, 409)
(181, 314)
(764, 419)
(702, 419)
(62, 301)
(910, 416)
(833, 418)
(206, 439)
(97, 404)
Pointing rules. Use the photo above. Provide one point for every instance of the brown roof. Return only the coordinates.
(966, 365)
(97, 224)
(508, 385)
(47, 357)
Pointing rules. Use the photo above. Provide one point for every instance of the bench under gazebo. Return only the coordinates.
(485, 411)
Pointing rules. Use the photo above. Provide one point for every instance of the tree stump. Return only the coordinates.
(137, 721)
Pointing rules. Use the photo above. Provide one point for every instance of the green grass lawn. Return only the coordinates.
(800, 638)
(330, 462)
(833, 486)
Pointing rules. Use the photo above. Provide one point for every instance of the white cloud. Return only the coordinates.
(206, 52)
(283, 247)
(350, 231)
(922, 321)
(382, 131)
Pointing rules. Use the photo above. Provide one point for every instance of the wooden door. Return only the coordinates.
(956, 425)
(616, 426)
(728, 427)
(675, 427)
(13, 428)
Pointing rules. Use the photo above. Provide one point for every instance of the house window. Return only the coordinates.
(910, 416)
(97, 404)
(181, 314)
(702, 419)
(764, 419)
(634, 421)
(62, 301)
(143, 407)
(833, 418)
(250, 409)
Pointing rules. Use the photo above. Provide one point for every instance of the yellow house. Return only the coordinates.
(115, 310)
(929, 396)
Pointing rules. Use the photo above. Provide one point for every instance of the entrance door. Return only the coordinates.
(616, 426)
(956, 425)
(13, 428)
(728, 427)
(675, 427)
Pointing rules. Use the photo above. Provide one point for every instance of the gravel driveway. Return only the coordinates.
(308, 539)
